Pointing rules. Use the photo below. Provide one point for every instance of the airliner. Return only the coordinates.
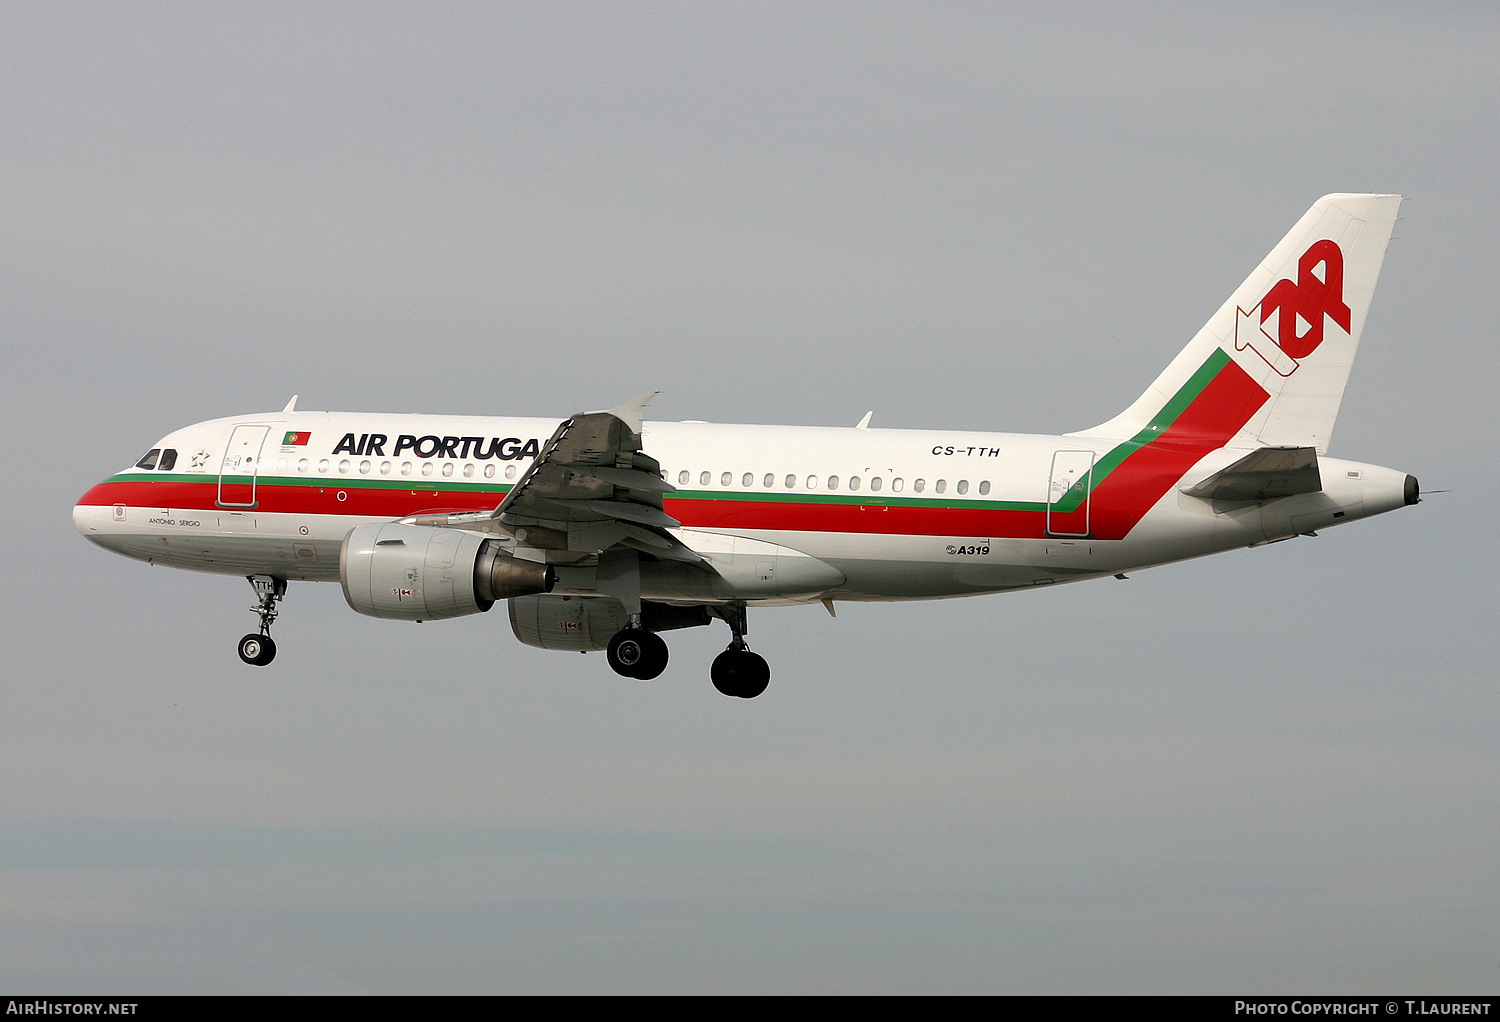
(604, 531)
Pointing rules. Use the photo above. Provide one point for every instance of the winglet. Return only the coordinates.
(632, 412)
(865, 422)
(291, 406)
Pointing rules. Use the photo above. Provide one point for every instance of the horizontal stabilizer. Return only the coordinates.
(1265, 474)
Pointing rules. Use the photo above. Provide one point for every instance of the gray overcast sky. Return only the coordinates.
(1269, 771)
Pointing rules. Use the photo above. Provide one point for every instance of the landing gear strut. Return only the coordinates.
(637, 653)
(737, 671)
(257, 648)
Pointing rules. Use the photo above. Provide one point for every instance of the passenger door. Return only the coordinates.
(1068, 493)
(240, 466)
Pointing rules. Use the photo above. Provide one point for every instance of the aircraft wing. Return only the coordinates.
(1265, 474)
(592, 488)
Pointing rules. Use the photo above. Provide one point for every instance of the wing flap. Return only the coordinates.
(641, 514)
(593, 483)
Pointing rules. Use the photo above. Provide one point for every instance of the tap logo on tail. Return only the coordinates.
(1290, 323)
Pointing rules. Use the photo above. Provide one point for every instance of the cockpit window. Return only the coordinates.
(149, 461)
(168, 459)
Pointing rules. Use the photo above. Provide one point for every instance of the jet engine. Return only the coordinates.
(574, 623)
(422, 573)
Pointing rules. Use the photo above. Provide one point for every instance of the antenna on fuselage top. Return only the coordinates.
(291, 406)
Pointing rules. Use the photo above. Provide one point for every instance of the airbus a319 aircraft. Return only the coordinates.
(605, 531)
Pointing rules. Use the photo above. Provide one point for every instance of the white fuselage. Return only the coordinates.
(899, 514)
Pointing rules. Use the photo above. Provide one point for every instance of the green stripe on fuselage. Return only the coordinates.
(1178, 404)
(337, 482)
(857, 499)
(1103, 466)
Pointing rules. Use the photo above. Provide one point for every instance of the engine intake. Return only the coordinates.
(422, 573)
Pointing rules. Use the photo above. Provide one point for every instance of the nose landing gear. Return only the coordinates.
(257, 648)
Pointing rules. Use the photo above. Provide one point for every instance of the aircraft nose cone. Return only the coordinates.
(83, 519)
(1413, 491)
(92, 514)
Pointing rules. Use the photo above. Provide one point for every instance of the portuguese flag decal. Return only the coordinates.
(296, 439)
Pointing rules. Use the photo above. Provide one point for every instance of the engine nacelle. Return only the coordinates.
(421, 573)
(572, 623)
(588, 622)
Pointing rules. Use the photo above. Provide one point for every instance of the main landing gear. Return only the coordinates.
(257, 648)
(635, 652)
(737, 671)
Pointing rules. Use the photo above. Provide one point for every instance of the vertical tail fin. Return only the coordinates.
(1269, 368)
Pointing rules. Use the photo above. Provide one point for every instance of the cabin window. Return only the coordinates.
(344, 467)
(168, 459)
(703, 478)
(791, 482)
(510, 471)
(940, 485)
(149, 459)
(448, 470)
(875, 483)
(984, 488)
(749, 479)
(385, 468)
(727, 479)
(833, 482)
(281, 464)
(854, 482)
(302, 465)
(769, 481)
(406, 468)
(897, 485)
(682, 477)
(489, 471)
(469, 471)
(918, 485)
(963, 486)
(322, 464)
(364, 468)
(427, 468)
(812, 482)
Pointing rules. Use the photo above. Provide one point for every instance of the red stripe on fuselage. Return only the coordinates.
(1119, 501)
(1211, 421)
(895, 521)
(296, 500)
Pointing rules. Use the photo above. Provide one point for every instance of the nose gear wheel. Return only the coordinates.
(257, 648)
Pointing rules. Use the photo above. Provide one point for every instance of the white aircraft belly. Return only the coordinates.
(301, 547)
